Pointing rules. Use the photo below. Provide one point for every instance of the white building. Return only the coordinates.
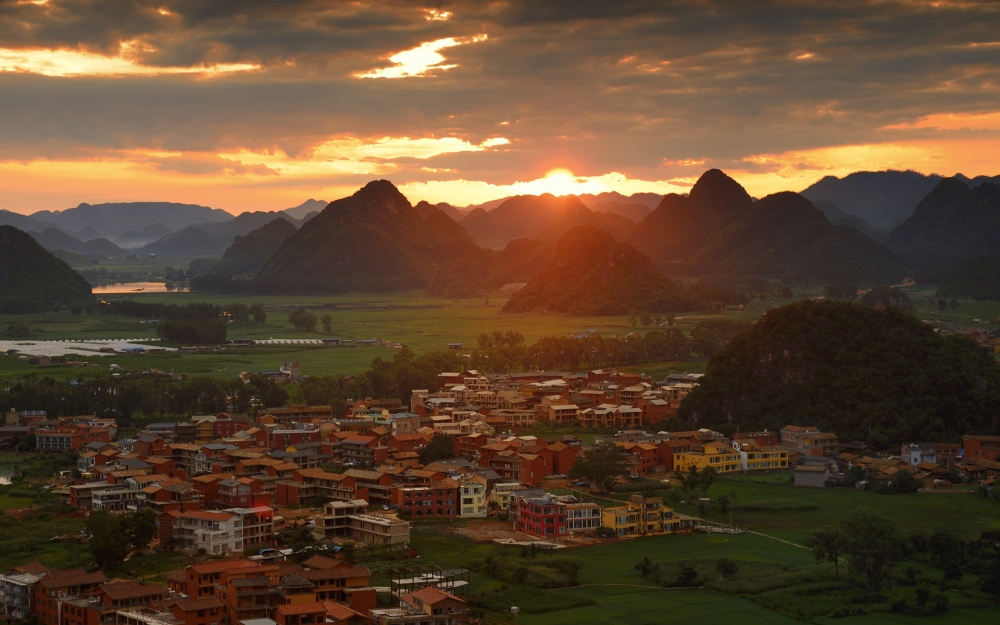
(473, 495)
(216, 532)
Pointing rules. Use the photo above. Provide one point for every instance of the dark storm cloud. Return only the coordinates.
(609, 85)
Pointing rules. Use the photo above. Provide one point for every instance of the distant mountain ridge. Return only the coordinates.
(884, 199)
(373, 240)
(113, 219)
(718, 229)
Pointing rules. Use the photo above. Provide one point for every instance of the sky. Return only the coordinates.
(260, 105)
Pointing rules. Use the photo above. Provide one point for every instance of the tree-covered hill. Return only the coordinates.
(718, 229)
(863, 373)
(371, 241)
(978, 278)
(32, 279)
(249, 252)
(952, 223)
(592, 274)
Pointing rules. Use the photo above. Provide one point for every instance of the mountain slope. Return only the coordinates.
(592, 274)
(371, 241)
(189, 241)
(575, 214)
(631, 211)
(719, 230)
(522, 216)
(249, 252)
(863, 373)
(978, 278)
(952, 222)
(114, 219)
(883, 199)
(22, 222)
(31, 278)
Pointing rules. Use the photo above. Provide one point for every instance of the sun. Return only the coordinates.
(560, 181)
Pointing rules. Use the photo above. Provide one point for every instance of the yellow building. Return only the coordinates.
(643, 516)
(755, 457)
(721, 457)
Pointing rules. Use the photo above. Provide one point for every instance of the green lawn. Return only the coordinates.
(960, 511)
(623, 596)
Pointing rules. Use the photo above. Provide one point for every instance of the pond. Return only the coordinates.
(139, 287)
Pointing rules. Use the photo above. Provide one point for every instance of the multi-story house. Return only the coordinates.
(643, 516)
(218, 533)
(542, 516)
(472, 493)
(440, 499)
(719, 456)
(583, 517)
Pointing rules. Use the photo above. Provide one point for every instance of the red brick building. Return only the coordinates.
(439, 500)
(980, 447)
(542, 517)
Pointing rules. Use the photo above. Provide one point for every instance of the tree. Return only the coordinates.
(827, 544)
(686, 575)
(725, 567)
(600, 466)
(942, 304)
(872, 544)
(440, 447)
(258, 314)
(107, 542)
(139, 528)
(645, 318)
(327, 321)
(904, 483)
(302, 320)
(954, 304)
(696, 483)
(947, 550)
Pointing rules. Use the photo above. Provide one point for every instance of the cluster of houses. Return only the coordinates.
(261, 590)
(219, 485)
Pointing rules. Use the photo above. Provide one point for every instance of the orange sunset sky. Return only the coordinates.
(258, 105)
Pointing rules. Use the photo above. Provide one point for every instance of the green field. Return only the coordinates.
(422, 324)
(623, 596)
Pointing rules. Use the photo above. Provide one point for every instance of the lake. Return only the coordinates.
(138, 287)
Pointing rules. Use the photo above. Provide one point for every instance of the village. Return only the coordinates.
(222, 486)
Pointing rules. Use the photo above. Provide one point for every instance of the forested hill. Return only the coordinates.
(371, 241)
(592, 274)
(32, 279)
(718, 229)
(850, 369)
(954, 221)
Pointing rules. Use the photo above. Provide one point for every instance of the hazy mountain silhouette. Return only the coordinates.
(575, 214)
(952, 223)
(883, 199)
(112, 220)
(633, 212)
(249, 252)
(373, 240)
(592, 274)
(303, 209)
(719, 229)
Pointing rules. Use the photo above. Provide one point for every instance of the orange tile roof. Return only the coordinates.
(293, 609)
(432, 595)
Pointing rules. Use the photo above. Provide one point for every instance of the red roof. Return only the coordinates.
(432, 595)
(218, 566)
(292, 609)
